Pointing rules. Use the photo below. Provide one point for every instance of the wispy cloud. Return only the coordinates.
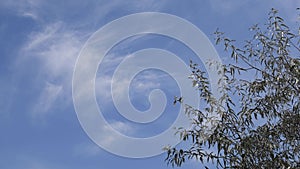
(122, 127)
(113, 140)
(149, 80)
(46, 100)
(56, 48)
(57, 44)
(24, 8)
(92, 149)
(38, 41)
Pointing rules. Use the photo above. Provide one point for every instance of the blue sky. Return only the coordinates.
(40, 42)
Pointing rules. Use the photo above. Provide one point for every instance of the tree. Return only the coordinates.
(259, 124)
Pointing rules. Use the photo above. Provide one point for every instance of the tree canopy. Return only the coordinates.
(259, 124)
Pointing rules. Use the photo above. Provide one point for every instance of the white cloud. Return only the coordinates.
(150, 80)
(25, 8)
(141, 85)
(56, 48)
(122, 127)
(144, 86)
(103, 87)
(112, 139)
(43, 38)
(92, 149)
(46, 100)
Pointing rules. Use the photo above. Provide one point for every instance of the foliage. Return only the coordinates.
(259, 108)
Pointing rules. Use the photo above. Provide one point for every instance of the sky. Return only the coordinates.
(40, 42)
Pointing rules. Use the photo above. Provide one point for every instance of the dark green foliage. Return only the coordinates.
(259, 108)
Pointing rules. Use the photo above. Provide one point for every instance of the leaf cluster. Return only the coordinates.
(259, 110)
